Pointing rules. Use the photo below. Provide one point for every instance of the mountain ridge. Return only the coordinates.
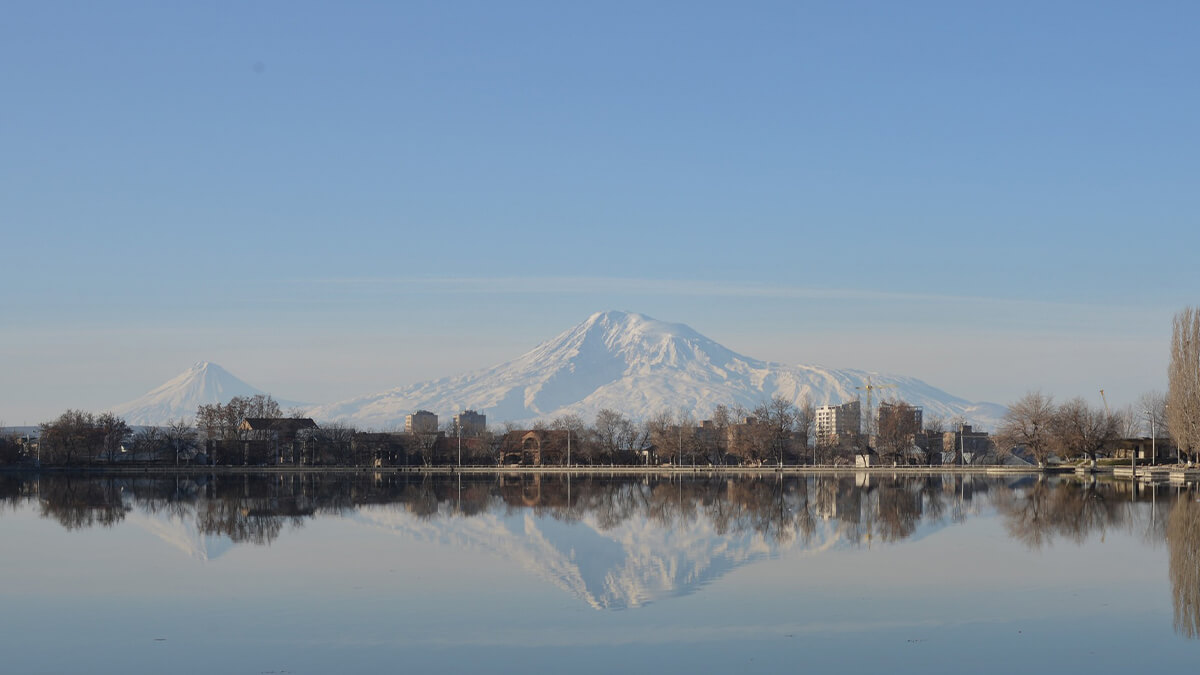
(640, 366)
(619, 360)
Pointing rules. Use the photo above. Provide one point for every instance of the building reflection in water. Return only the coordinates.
(698, 525)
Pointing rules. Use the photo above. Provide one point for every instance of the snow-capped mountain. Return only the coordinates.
(182, 533)
(203, 384)
(631, 565)
(640, 560)
(639, 366)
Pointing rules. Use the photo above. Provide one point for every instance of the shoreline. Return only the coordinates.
(1152, 474)
(1147, 477)
(573, 470)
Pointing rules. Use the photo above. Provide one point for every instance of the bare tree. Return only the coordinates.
(333, 442)
(1129, 421)
(564, 422)
(750, 439)
(1183, 541)
(688, 442)
(220, 422)
(934, 437)
(485, 450)
(148, 442)
(898, 428)
(1183, 381)
(662, 432)
(608, 429)
(1152, 411)
(113, 433)
(634, 441)
(806, 415)
(578, 448)
(180, 438)
(10, 450)
(500, 440)
(778, 417)
(1080, 429)
(259, 405)
(425, 445)
(825, 449)
(211, 420)
(70, 438)
(1027, 424)
(717, 436)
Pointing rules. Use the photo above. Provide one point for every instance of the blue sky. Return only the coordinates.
(331, 200)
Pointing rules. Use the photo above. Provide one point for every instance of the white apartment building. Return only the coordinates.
(471, 423)
(838, 421)
(421, 422)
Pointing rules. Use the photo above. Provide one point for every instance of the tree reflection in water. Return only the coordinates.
(856, 509)
(1072, 509)
(255, 508)
(1183, 541)
(84, 502)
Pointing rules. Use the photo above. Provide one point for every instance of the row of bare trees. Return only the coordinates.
(11, 450)
(775, 431)
(79, 437)
(220, 421)
(1072, 429)
(1077, 429)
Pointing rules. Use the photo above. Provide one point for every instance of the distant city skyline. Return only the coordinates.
(332, 203)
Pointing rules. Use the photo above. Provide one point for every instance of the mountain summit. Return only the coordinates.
(640, 366)
(202, 384)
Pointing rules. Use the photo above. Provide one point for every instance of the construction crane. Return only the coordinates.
(870, 388)
(1102, 398)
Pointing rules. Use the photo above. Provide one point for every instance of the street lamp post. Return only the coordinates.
(1133, 461)
(1153, 438)
(962, 445)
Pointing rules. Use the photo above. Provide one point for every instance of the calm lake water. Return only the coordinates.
(323, 573)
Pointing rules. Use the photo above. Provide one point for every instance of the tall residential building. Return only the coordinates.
(470, 423)
(837, 422)
(966, 444)
(421, 422)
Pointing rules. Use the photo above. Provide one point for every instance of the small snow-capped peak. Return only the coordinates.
(204, 383)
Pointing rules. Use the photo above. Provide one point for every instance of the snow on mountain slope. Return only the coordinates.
(178, 398)
(639, 366)
(181, 533)
(631, 565)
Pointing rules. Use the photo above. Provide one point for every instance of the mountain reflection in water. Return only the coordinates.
(624, 541)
